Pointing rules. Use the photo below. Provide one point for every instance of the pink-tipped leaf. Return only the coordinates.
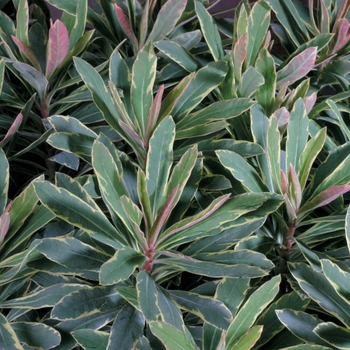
(13, 129)
(57, 47)
(27, 52)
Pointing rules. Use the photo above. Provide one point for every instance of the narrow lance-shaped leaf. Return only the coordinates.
(159, 161)
(125, 24)
(347, 227)
(22, 17)
(27, 52)
(167, 18)
(2, 73)
(57, 47)
(143, 76)
(273, 151)
(4, 180)
(12, 130)
(308, 156)
(250, 311)
(298, 67)
(258, 23)
(79, 25)
(210, 31)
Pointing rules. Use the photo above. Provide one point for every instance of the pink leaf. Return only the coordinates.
(125, 24)
(154, 114)
(324, 198)
(298, 67)
(240, 54)
(283, 116)
(27, 52)
(310, 102)
(342, 36)
(13, 129)
(284, 182)
(57, 47)
(294, 187)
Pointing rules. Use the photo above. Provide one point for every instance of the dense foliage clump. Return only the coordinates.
(172, 177)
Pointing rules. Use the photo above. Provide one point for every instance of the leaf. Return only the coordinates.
(22, 21)
(265, 95)
(347, 227)
(143, 76)
(273, 152)
(28, 53)
(317, 287)
(334, 335)
(4, 180)
(308, 156)
(35, 78)
(178, 54)
(210, 31)
(249, 339)
(250, 311)
(128, 322)
(338, 278)
(120, 266)
(209, 310)
(159, 162)
(203, 82)
(335, 110)
(147, 296)
(171, 337)
(251, 81)
(100, 94)
(75, 211)
(88, 302)
(297, 134)
(258, 23)
(46, 297)
(301, 324)
(297, 68)
(91, 339)
(241, 170)
(37, 335)
(79, 24)
(167, 18)
(8, 337)
(57, 47)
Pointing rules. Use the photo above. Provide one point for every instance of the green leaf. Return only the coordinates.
(171, 337)
(301, 324)
(159, 162)
(91, 339)
(75, 211)
(297, 134)
(341, 121)
(338, 278)
(273, 152)
(35, 78)
(250, 82)
(120, 266)
(80, 258)
(79, 23)
(258, 23)
(129, 323)
(178, 54)
(210, 31)
(233, 291)
(22, 20)
(37, 335)
(167, 19)
(4, 180)
(317, 287)
(347, 227)
(100, 94)
(203, 82)
(309, 154)
(8, 337)
(242, 171)
(143, 76)
(147, 296)
(250, 311)
(265, 95)
(307, 347)
(249, 339)
(88, 302)
(2, 74)
(47, 297)
(334, 335)
(209, 310)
